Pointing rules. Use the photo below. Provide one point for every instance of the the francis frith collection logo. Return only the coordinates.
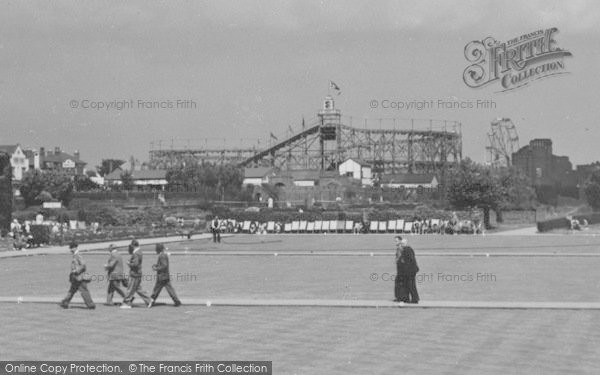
(514, 63)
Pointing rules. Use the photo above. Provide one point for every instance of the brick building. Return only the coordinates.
(58, 160)
(541, 165)
(548, 172)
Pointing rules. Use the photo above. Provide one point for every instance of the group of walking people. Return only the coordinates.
(405, 287)
(117, 281)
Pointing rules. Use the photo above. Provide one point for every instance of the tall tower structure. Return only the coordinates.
(329, 133)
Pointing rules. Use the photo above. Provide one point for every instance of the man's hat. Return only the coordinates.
(73, 245)
(160, 247)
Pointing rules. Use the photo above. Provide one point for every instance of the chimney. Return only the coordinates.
(56, 150)
(76, 154)
(42, 151)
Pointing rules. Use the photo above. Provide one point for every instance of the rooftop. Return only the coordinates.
(258, 172)
(408, 178)
(60, 157)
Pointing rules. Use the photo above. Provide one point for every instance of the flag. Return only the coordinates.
(290, 129)
(303, 125)
(273, 136)
(333, 86)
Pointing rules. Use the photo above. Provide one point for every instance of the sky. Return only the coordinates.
(244, 69)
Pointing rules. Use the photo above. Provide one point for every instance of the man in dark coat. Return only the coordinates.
(409, 271)
(116, 275)
(135, 277)
(163, 278)
(216, 230)
(400, 290)
(78, 279)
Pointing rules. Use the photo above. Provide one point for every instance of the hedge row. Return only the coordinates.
(560, 223)
(564, 223)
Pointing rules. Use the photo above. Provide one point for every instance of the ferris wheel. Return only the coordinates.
(503, 142)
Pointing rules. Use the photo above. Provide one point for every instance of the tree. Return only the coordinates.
(58, 184)
(108, 165)
(6, 193)
(591, 188)
(472, 185)
(518, 189)
(44, 196)
(84, 183)
(214, 181)
(127, 180)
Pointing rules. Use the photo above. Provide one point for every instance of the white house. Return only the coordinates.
(409, 181)
(356, 170)
(257, 176)
(18, 160)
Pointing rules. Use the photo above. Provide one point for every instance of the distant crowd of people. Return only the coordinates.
(24, 238)
(415, 225)
(21, 235)
(576, 224)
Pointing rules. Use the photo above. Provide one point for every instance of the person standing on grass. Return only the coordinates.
(135, 277)
(163, 278)
(116, 275)
(78, 279)
(409, 271)
(214, 226)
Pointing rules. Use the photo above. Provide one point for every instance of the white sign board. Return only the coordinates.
(52, 205)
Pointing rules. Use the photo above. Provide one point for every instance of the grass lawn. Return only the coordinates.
(311, 340)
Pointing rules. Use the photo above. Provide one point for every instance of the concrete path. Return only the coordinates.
(365, 253)
(529, 231)
(349, 303)
(100, 246)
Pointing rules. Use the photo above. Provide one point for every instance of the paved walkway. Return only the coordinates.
(369, 254)
(351, 303)
(529, 231)
(100, 246)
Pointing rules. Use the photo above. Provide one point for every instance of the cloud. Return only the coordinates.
(411, 15)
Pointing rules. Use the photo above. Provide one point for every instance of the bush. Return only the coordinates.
(40, 233)
(103, 215)
(564, 223)
(63, 217)
(171, 221)
(24, 215)
(560, 223)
